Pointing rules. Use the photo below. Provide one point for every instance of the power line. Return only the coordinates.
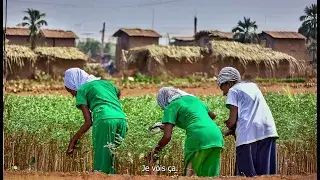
(91, 7)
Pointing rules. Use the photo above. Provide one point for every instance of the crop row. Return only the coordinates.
(38, 128)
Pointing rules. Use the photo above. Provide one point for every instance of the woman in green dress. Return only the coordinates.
(204, 140)
(99, 102)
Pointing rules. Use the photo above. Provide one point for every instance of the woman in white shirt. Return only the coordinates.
(253, 122)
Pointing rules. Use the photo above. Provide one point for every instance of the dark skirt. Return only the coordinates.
(258, 158)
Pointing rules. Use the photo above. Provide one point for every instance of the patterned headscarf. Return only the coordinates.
(168, 94)
(228, 74)
(74, 78)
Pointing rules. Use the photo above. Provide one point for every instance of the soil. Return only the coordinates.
(204, 89)
(18, 175)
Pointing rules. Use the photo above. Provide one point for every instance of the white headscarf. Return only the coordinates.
(74, 78)
(168, 94)
(228, 74)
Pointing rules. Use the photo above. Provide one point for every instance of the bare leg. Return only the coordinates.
(189, 170)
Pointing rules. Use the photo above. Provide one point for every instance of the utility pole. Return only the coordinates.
(153, 18)
(102, 41)
(195, 23)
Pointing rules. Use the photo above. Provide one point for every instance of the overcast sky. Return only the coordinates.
(85, 17)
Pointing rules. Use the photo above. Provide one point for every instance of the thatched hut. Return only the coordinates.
(19, 61)
(52, 60)
(251, 60)
(177, 61)
(56, 60)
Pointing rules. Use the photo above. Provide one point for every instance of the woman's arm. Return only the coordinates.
(84, 128)
(231, 122)
(212, 115)
(119, 94)
(165, 138)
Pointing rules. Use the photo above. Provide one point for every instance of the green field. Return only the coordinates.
(38, 129)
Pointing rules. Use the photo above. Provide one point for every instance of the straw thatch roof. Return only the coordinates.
(248, 52)
(68, 53)
(17, 54)
(220, 50)
(162, 54)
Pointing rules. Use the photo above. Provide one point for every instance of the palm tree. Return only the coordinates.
(309, 22)
(245, 32)
(34, 21)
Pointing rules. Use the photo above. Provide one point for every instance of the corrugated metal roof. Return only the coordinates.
(284, 35)
(136, 32)
(48, 33)
(183, 38)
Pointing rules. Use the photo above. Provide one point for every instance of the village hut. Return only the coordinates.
(22, 61)
(156, 60)
(292, 43)
(56, 60)
(18, 58)
(252, 60)
(183, 61)
(128, 38)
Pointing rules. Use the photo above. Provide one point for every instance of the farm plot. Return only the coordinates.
(38, 129)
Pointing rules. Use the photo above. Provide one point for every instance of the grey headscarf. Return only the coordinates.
(168, 94)
(228, 74)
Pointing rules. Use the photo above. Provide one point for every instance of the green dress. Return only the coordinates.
(109, 121)
(204, 140)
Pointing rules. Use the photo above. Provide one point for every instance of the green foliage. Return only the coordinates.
(50, 121)
(110, 50)
(55, 118)
(146, 79)
(309, 22)
(283, 80)
(245, 32)
(90, 47)
(34, 20)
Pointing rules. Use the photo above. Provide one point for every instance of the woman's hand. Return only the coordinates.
(152, 157)
(71, 147)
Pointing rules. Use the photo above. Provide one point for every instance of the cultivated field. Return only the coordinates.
(38, 128)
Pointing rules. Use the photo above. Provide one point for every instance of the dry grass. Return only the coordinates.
(49, 158)
(162, 54)
(16, 55)
(68, 53)
(216, 51)
(249, 53)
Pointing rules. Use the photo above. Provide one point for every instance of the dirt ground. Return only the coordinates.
(10, 175)
(205, 89)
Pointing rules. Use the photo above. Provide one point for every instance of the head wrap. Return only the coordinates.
(168, 94)
(228, 74)
(74, 78)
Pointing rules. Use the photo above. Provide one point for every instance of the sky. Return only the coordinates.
(173, 17)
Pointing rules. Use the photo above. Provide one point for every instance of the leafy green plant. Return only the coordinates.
(41, 127)
(281, 80)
